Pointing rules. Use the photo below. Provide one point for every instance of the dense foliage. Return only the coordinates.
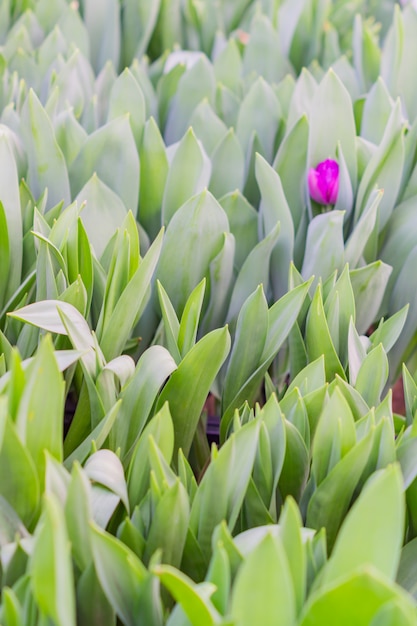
(207, 213)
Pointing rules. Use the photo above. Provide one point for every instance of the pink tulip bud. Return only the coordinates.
(323, 182)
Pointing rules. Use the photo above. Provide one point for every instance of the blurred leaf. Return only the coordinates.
(195, 84)
(384, 169)
(154, 169)
(44, 171)
(39, 416)
(78, 514)
(376, 523)
(357, 600)
(373, 375)
(50, 566)
(138, 23)
(21, 490)
(194, 599)
(110, 153)
(260, 113)
(11, 220)
(188, 174)
(104, 29)
(327, 128)
(126, 97)
(324, 251)
(274, 603)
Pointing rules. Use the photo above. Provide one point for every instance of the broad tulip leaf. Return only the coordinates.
(188, 387)
(195, 237)
(223, 487)
(127, 584)
(357, 599)
(274, 603)
(111, 153)
(47, 167)
(194, 599)
(330, 501)
(51, 568)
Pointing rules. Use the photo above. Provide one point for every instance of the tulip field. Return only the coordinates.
(208, 295)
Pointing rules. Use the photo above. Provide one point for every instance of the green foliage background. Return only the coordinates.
(161, 260)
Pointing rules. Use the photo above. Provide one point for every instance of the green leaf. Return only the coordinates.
(290, 164)
(154, 169)
(223, 487)
(194, 237)
(138, 23)
(194, 599)
(188, 387)
(125, 581)
(274, 601)
(169, 526)
(130, 304)
(93, 608)
(189, 173)
(78, 514)
(372, 533)
(11, 220)
(260, 113)
(138, 396)
(373, 375)
(51, 568)
(356, 600)
(369, 283)
(331, 499)
(384, 169)
(104, 468)
(228, 165)
(21, 489)
(243, 221)
(324, 250)
(318, 338)
(160, 428)
(291, 527)
(328, 126)
(39, 420)
(111, 153)
(126, 97)
(248, 345)
(196, 84)
(281, 318)
(190, 319)
(254, 271)
(47, 166)
(103, 26)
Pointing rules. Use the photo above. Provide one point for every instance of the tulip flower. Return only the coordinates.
(323, 182)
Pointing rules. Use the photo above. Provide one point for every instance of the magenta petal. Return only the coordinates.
(323, 182)
(313, 186)
(333, 191)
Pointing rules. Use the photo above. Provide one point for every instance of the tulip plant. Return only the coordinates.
(207, 312)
